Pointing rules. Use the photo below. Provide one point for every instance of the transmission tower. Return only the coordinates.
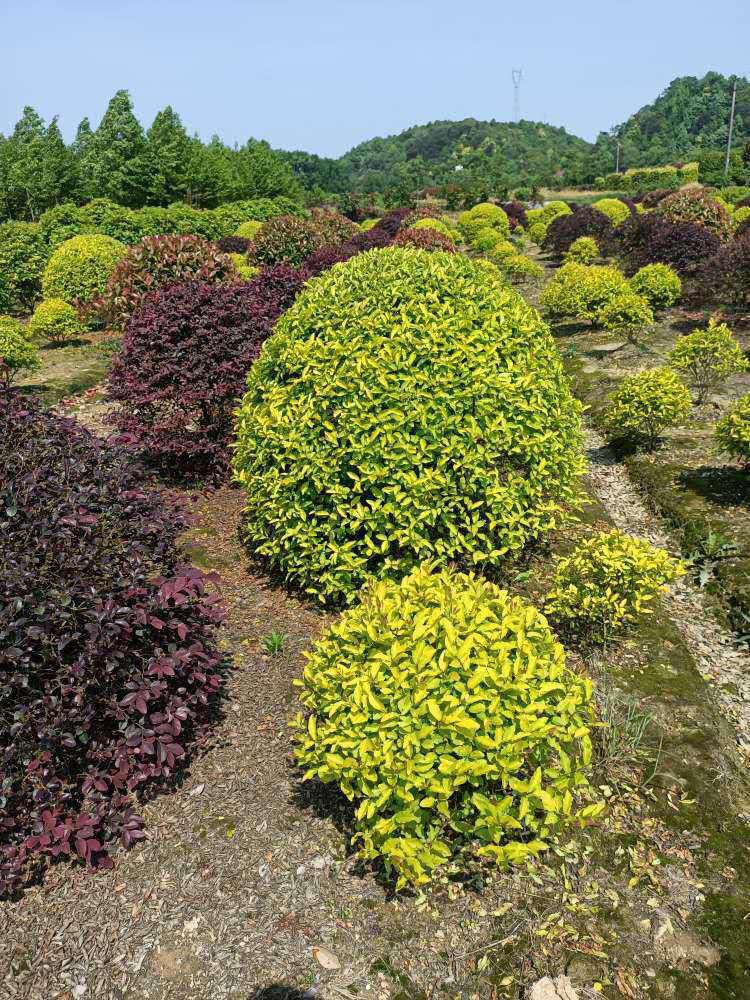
(517, 75)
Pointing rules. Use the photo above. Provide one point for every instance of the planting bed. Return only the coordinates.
(246, 884)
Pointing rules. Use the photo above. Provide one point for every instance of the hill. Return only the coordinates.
(511, 152)
(690, 118)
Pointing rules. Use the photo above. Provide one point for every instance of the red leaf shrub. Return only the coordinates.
(392, 222)
(326, 257)
(724, 279)
(516, 212)
(564, 230)
(155, 262)
(652, 198)
(424, 239)
(696, 206)
(183, 364)
(332, 226)
(233, 244)
(286, 238)
(652, 239)
(108, 660)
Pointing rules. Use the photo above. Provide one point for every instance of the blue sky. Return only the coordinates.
(325, 75)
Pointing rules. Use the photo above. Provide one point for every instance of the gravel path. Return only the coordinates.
(712, 646)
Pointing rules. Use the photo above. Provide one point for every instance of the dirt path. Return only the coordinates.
(712, 646)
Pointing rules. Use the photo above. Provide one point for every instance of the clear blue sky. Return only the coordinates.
(325, 75)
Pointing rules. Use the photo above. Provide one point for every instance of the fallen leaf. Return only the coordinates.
(326, 959)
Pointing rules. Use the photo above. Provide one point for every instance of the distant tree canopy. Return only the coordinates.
(121, 161)
(504, 154)
(688, 121)
(136, 167)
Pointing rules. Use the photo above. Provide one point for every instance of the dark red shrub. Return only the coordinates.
(724, 279)
(152, 264)
(183, 363)
(326, 257)
(743, 203)
(652, 239)
(564, 230)
(108, 660)
(286, 238)
(516, 212)
(424, 239)
(652, 198)
(233, 244)
(392, 222)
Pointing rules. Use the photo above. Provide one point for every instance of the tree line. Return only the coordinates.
(132, 166)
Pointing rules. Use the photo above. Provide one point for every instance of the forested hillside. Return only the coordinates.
(688, 121)
(511, 152)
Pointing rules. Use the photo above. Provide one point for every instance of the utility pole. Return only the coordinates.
(617, 163)
(517, 75)
(731, 129)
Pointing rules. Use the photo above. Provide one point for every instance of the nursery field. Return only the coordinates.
(279, 717)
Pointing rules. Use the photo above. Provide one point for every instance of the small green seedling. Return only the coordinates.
(274, 642)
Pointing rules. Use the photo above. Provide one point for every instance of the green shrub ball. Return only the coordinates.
(78, 270)
(56, 321)
(407, 407)
(442, 707)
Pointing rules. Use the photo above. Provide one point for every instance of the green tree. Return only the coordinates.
(168, 150)
(116, 161)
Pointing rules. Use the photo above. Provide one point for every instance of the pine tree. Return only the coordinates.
(116, 161)
(168, 150)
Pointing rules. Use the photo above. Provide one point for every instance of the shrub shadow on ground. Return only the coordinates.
(728, 485)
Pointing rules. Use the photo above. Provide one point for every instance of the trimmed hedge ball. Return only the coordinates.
(442, 707)
(55, 320)
(80, 267)
(408, 407)
(17, 352)
(659, 284)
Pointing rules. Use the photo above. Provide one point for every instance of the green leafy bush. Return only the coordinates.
(697, 206)
(658, 284)
(245, 270)
(519, 269)
(707, 357)
(552, 210)
(486, 239)
(366, 224)
(55, 320)
(408, 407)
(249, 230)
(740, 216)
(607, 583)
(23, 256)
(615, 210)
(645, 404)
(580, 292)
(537, 232)
(502, 249)
(79, 268)
(420, 701)
(439, 226)
(625, 312)
(584, 250)
(733, 430)
(483, 216)
(17, 352)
